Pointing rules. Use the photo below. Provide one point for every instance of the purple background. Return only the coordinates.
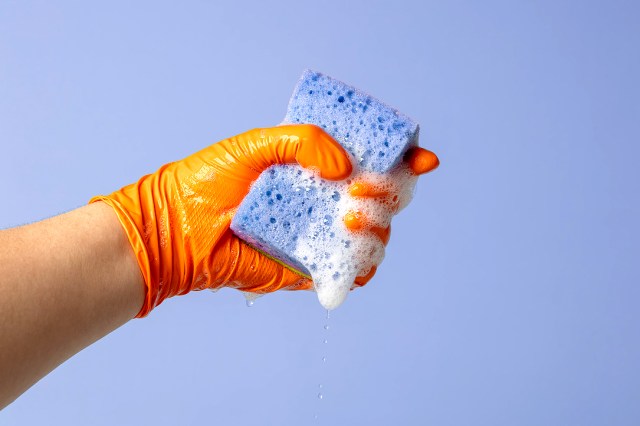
(509, 295)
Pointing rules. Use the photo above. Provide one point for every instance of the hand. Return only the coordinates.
(177, 219)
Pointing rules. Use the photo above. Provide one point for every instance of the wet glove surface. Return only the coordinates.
(177, 219)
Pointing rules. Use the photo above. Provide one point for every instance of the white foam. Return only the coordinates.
(335, 255)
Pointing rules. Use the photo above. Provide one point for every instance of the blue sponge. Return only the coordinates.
(373, 133)
(287, 203)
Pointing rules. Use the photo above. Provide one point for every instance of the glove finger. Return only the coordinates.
(318, 150)
(365, 189)
(363, 280)
(383, 233)
(255, 272)
(421, 161)
(245, 156)
(354, 220)
(357, 221)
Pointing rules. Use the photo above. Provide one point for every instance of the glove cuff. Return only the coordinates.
(139, 250)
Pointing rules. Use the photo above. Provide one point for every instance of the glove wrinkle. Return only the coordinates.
(177, 219)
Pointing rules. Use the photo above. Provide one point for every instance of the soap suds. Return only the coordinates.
(335, 255)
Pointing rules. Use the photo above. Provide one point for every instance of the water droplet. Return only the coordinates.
(249, 303)
(326, 341)
(324, 359)
(320, 395)
(320, 386)
(326, 327)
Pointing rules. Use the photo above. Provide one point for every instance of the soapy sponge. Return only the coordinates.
(375, 134)
(279, 210)
(296, 217)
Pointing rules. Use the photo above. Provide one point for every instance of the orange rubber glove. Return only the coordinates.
(177, 219)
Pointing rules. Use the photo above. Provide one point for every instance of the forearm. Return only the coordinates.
(65, 282)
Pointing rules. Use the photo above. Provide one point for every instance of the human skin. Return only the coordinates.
(65, 283)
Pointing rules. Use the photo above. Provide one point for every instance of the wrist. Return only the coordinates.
(122, 240)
